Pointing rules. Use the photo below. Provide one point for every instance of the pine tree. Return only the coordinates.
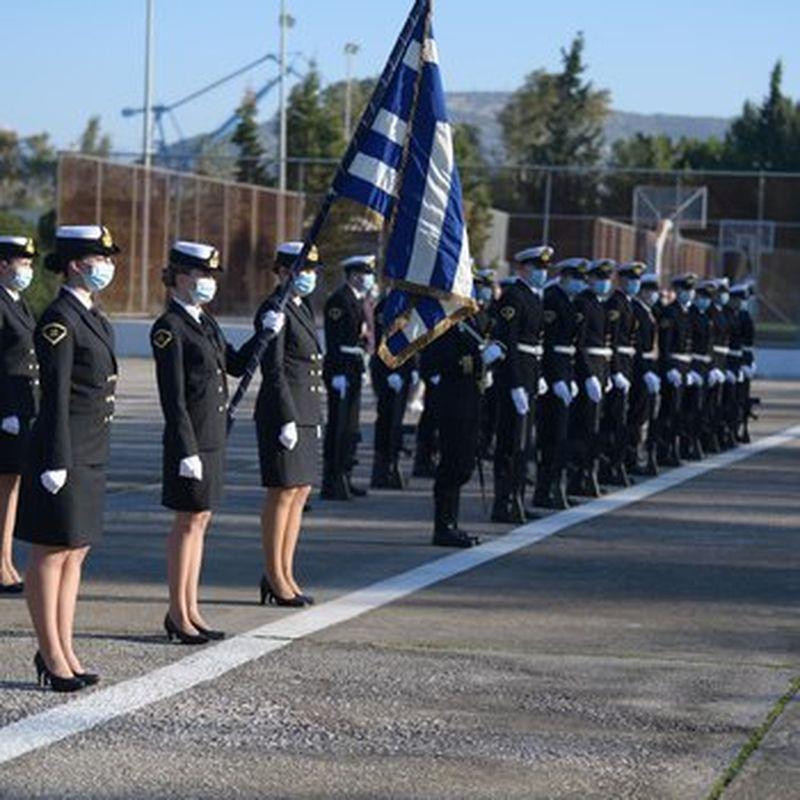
(249, 163)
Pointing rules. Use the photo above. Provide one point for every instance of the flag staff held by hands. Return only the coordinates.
(421, 7)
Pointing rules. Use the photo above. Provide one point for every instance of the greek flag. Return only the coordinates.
(401, 164)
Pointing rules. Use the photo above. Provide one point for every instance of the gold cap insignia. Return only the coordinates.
(105, 238)
(30, 247)
(213, 260)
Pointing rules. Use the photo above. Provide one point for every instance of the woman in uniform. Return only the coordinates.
(288, 419)
(64, 482)
(192, 359)
(19, 388)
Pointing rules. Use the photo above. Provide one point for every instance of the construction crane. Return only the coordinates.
(162, 110)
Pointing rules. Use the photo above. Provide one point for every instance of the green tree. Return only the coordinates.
(766, 137)
(474, 184)
(250, 161)
(92, 141)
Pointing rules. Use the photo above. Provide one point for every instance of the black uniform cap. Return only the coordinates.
(76, 241)
(364, 264)
(632, 269)
(288, 252)
(687, 281)
(650, 280)
(195, 255)
(573, 266)
(540, 256)
(17, 247)
(603, 267)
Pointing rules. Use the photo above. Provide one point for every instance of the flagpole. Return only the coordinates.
(420, 8)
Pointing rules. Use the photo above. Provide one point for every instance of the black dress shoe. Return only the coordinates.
(357, 491)
(210, 633)
(12, 588)
(88, 678)
(307, 599)
(454, 538)
(174, 632)
(58, 684)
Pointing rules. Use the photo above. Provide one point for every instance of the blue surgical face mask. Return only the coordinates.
(632, 286)
(483, 294)
(367, 282)
(575, 286)
(97, 275)
(703, 303)
(685, 296)
(203, 291)
(21, 278)
(602, 287)
(651, 297)
(537, 278)
(723, 298)
(304, 283)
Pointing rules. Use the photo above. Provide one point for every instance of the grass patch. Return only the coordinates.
(754, 742)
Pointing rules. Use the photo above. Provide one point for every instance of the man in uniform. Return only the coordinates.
(562, 323)
(696, 406)
(345, 357)
(720, 341)
(592, 361)
(646, 386)
(391, 387)
(745, 329)
(675, 351)
(519, 334)
(622, 324)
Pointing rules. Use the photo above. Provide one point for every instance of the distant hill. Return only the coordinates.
(481, 109)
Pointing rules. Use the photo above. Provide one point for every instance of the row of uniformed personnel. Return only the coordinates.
(588, 382)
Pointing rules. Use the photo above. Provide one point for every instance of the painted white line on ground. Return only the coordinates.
(87, 712)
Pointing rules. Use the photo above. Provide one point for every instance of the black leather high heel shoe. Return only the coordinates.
(58, 684)
(88, 678)
(174, 632)
(210, 633)
(268, 596)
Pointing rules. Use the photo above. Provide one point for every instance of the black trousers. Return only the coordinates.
(642, 412)
(552, 437)
(428, 425)
(391, 408)
(458, 438)
(342, 429)
(514, 442)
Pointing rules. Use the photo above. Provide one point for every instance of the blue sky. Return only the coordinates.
(75, 58)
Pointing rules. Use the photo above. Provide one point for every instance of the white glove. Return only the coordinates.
(573, 387)
(593, 388)
(273, 321)
(520, 398)
(653, 382)
(435, 380)
(562, 392)
(191, 467)
(395, 382)
(53, 480)
(491, 353)
(10, 425)
(621, 382)
(729, 376)
(751, 370)
(414, 377)
(674, 377)
(339, 384)
(488, 380)
(694, 378)
(542, 386)
(717, 375)
(740, 376)
(288, 436)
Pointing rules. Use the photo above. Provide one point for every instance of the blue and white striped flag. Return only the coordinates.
(401, 165)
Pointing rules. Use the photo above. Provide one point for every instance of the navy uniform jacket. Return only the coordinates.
(675, 338)
(562, 322)
(345, 344)
(291, 369)
(701, 340)
(720, 335)
(594, 338)
(645, 335)
(19, 370)
(78, 368)
(192, 361)
(748, 336)
(520, 329)
(621, 323)
(735, 355)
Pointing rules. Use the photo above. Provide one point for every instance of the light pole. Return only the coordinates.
(147, 151)
(350, 49)
(285, 22)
